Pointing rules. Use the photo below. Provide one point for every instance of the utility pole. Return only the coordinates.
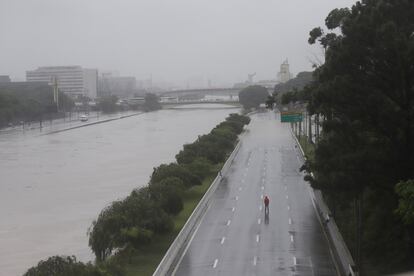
(55, 92)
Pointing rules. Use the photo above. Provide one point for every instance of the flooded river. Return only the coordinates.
(53, 186)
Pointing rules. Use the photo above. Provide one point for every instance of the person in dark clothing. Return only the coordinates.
(266, 203)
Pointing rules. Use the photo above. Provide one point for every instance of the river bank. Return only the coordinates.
(53, 186)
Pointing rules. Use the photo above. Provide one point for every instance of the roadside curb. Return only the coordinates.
(93, 123)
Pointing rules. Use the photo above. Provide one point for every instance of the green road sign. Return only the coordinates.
(290, 117)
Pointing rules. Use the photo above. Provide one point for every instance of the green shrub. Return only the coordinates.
(175, 170)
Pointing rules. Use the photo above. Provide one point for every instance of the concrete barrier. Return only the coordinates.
(344, 261)
(178, 247)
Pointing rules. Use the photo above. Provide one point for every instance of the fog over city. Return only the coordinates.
(179, 42)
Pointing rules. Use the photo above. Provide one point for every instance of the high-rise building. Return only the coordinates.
(74, 81)
(284, 74)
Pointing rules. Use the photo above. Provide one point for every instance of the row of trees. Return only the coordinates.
(364, 162)
(148, 212)
(29, 105)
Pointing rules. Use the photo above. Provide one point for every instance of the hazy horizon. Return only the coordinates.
(177, 42)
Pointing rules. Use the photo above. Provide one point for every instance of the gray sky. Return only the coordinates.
(175, 40)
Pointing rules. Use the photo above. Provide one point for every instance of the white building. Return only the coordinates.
(74, 81)
(284, 74)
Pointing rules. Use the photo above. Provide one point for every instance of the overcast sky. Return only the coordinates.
(174, 40)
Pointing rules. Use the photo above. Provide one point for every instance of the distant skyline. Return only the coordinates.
(177, 42)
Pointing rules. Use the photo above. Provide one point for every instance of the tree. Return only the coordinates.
(64, 266)
(151, 102)
(253, 96)
(365, 94)
(168, 194)
(405, 191)
(108, 104)
(132, 221)
(175, 170)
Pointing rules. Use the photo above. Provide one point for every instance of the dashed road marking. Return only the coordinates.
(215, 263)
(228, 222)
(262, 187)
(290, 221)
(237, 198)
(260, 207)
(240, 188)
(257, 238)
(233, 209)
(261, 197)
(288, 207)
(222, 240)
(291, 238)
(259, 221)
(255, 260)
(294, 261)
(287, 197)
(285, 188)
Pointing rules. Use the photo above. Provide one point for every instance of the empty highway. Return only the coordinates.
(236, 238)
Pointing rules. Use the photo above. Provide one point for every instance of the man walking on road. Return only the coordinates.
(266, 203)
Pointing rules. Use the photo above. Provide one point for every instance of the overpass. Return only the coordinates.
(185, 93)
(202, 92)
(172, 102)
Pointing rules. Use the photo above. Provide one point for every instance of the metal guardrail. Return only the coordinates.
(178, 247)
(342, 254)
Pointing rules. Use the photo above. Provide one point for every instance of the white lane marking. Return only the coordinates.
(261, 197)
(298, 158)
(262, 187)
(290, 221)
(287, 197)
(222, 240)
(259, 221)
(233, 209)
(288, 207)
(215, 263)
(294, 261)
(257, 238)
(260, 207)
(228, 222)
(264, 173)
(291, 238)
(242, 180)
(237, 198)
(255, 260)
(263, 180)
(240, 188)
(285, 188)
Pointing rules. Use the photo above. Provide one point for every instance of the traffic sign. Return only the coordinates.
(290, 117)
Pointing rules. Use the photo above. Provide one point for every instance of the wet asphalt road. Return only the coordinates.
(236, 238)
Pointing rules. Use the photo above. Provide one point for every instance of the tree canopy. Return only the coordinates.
(364, 92)
(151, 102)
(253, 96)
